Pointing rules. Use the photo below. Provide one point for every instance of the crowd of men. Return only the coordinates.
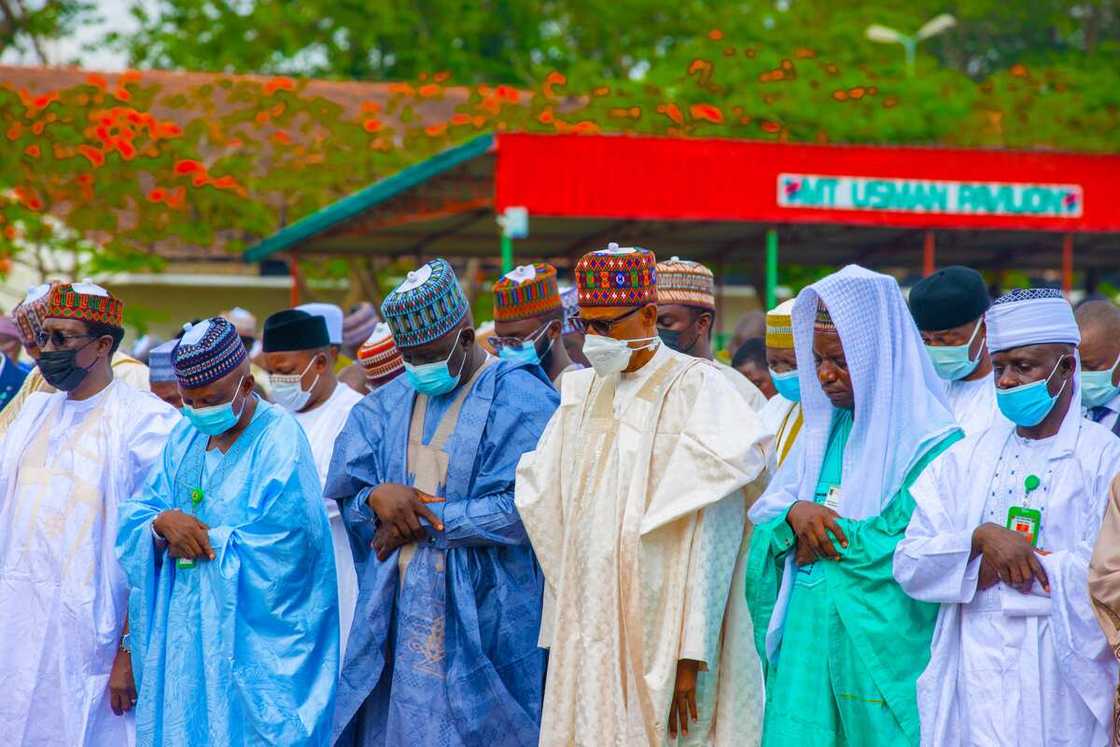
(889, 522)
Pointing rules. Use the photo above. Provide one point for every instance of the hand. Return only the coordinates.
(186, 536)
(988, 576)
(812, 522)
(387, 539)
(684, 697)
(402, 507)
(1010, 556)
(122, 686)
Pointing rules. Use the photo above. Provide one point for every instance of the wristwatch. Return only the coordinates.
(126, 643)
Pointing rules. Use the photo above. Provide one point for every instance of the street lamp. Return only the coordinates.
(886, 35)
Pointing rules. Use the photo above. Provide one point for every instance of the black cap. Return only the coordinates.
(293, 329)
(948, 298)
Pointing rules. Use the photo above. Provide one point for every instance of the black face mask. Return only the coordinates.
(672, 340)
(60, 368)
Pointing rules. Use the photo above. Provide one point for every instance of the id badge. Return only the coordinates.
(184, 563)
(1025, 521)
(832, 498)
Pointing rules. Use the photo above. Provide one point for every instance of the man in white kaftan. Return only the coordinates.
(635, 502)
(66, 461)
(300, 365)
(948, 307)
(1002, 536)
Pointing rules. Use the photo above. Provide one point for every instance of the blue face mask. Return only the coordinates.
(526, 352)
(787, 384)
(217, 419)
(951, 362)
(1097, 387)
(434, 379)
(1029, 404)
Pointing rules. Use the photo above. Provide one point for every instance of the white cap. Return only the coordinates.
(331, 314)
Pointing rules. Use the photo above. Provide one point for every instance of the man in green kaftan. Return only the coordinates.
(841, 643)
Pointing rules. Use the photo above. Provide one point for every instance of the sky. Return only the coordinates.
(114, 15)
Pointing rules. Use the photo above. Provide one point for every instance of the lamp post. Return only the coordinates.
(886, 35)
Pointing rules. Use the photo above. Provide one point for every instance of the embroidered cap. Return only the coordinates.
(779, 326)
(526, 292)
(682, 281)
(208, 351)
(617, 276)
(85, 301)
(380, 357)
(427, 305)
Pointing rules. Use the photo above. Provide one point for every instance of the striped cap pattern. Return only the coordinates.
(380, 357)
(526, 292)
(205, 355)
(779, 326)
(427, 305)
(682, 281)
(84, 301)
(617, 276)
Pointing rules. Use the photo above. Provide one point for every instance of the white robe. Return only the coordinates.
(773, 415)
(635, 501)
(741, 384)
(973, 403)
(322, 426)
(64, 468)
(1009, 668)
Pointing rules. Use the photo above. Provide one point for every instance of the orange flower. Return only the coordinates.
(14, 131)
(545, 117)
(672, 112)
(508, 93)
(435, 130)
(706, 112)
(96, 157)
(279, 84)
(371, 125)
(430, 90)
(156, 195)
(715, 34)
(188, 166)
(32, 150)
(122, 94)
(555, 78)
(126, 149)
(169, 129)
(459, 119)
(282, 137)
(98, 81)
(771, 127)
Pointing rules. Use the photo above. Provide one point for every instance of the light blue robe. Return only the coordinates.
(242, 649)
(452, 658)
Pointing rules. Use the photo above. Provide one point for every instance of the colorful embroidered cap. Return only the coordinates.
(779, 326)
(160, 363)
(208, 351)
(617, 276)
(526, 292)
(29, 314)
(380, 357)
(427, 305)
(823, 320)
(685, 282)
(358, 324)
(85, 301)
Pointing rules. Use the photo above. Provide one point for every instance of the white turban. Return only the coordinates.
(1032, 316)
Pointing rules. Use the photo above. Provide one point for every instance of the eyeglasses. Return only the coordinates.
(515, 342)
(600, 326)
(57, 339)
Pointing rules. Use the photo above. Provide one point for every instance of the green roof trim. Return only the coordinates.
(353, 205)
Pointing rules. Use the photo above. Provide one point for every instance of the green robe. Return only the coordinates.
(853, 643)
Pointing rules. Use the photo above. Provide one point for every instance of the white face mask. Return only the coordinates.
(287, 390)
(610, 356)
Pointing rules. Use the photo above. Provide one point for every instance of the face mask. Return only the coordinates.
(435, 378)
(610, 356)
(215, 420)
(787, 384)
(672, 340)
(61, 370)
(526, 352)
(1096, 386)
(951, 362)
(1029, 404)
(288, 392)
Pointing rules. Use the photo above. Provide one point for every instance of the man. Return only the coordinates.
(1099, 323)
(573, 337)
(161, 374)
(750, 361)
(948, 307)
(357, 326)
(635, 500)
(233, 615)
(380, 358)
(66, 462)
(1104, 587)
(529, 319)
(782, 414)
(12, 373)
(29, 317)
(1001, 537)
(443, 649)
(843, 644)
(686, 313)
(299, 361)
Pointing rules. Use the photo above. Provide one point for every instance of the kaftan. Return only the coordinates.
(65, 466)
(973, 403)
(1009, 668)
(242, 649)
(635, 502)
(322, 426)
(443, 649)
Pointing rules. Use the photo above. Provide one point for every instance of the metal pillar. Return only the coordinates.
(1067, 264)
(929, 254)
(771, 268)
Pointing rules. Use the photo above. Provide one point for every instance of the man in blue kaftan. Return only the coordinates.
(234, 612)
(443, 650)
